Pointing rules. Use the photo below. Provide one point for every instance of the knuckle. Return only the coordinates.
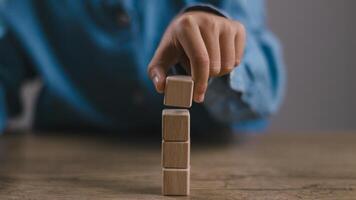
(214, 28)
(184, 25)
(214, 67)
(186, 20)
(240, 28)
(215, 63)
(202, 60)
(210, 25)
(205, 20)
(229, 28)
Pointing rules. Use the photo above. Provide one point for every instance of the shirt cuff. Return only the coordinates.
(204, 7)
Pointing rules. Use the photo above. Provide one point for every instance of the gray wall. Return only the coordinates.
(320, 52)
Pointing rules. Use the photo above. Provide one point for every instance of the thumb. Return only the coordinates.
(165, 57)
(158, 76)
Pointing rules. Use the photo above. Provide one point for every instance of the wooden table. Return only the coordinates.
(269, 166)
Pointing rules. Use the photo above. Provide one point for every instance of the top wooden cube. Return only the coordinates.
(178, 91)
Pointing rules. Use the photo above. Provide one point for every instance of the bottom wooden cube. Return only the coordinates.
(176, 181)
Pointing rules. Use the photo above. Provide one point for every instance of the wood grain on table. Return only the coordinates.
(269, 166)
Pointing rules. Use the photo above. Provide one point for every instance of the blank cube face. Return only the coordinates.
(178, 91)
(176, 155)
(175, 125)
(176, 181)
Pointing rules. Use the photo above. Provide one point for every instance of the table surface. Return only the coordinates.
(268, 166)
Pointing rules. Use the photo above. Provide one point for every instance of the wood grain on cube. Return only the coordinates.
(178, 91)
(176, 154)
(175, 125)
(176, 181)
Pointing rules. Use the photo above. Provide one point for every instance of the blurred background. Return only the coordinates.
(320, 49)
(319, 46)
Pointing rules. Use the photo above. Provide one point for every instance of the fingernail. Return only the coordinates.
(155, 79)
(200, 98)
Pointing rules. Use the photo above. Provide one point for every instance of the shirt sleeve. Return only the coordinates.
(254, 90)
(12, 74)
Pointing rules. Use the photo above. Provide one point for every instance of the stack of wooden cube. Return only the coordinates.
(176, 135)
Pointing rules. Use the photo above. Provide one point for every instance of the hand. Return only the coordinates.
(205, 44)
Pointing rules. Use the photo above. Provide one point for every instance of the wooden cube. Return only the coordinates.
(178, 91)
(176, 181)
(176, 154)
(175, 125)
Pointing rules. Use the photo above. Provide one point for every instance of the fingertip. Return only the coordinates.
(158, 79)
(155, 81)
(237, 62)
(199, 94)
(158, 82)
(214, 71)
(199, 98)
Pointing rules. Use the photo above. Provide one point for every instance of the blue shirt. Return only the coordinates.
(92, 55)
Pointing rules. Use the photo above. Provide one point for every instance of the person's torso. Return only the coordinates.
(91, 56)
